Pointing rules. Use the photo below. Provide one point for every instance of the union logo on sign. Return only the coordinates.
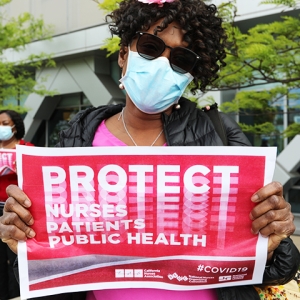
(224, 278)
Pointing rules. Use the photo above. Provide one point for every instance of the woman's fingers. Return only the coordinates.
(15, 192)
(273, 188)
(13, 227)
(16, 218)
(272, 215)
(14, 211)
(10, 233)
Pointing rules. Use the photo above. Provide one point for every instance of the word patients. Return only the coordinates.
(134, 204)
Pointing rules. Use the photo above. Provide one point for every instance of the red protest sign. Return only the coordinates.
(7, 161)
(177, 217)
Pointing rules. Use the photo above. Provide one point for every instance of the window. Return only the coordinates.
(69, 105)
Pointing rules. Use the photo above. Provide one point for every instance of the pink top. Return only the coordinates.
(104, 137)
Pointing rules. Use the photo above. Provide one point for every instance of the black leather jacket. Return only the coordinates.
(187, 126)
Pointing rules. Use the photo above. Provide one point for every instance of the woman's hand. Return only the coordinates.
(272, 215)
(16, 219)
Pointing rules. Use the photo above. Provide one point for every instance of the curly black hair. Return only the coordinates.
(204, 33)
(17, 120)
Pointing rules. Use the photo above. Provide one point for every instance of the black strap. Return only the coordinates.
(213, 113)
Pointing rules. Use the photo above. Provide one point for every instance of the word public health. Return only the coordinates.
(77, 214)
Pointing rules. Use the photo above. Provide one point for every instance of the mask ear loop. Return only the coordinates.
(121, 85)
(13, 127)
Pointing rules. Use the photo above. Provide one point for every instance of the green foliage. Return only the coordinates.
(108, 5)
(3, 2)
(288, 3)
(20, 109)
(227, 11)
(292, 130)
(266, 128)
(18, 78)
(257, 105)
(255, 100)
(269, 55)
(111, 45)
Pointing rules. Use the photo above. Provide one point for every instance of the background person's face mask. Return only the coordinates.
(152, 85)
(6, 133)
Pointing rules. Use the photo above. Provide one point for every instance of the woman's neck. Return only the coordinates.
(138, 121)
(136, 128)
(10, 144)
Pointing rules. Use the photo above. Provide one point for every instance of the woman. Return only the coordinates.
(11, 133)
(165, 46)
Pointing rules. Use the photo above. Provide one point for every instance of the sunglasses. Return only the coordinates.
(149, 46)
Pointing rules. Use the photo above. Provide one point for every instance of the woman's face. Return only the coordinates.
(154, 59)
(6, 123)
(5, 120)
(172, 36)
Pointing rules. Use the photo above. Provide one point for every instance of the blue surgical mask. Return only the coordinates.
(152, 85)
(6, 133)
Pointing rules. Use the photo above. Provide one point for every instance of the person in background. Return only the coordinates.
(12, 131)
(164, 46)
(264, 143)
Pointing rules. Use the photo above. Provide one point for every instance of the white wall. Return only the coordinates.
(70, 15)
(64, 15)
(251, 9)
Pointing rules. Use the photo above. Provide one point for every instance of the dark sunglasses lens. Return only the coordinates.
(182, 60)
(149, 46)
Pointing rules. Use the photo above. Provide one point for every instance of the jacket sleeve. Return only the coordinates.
(234, 133)
(284, 265)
